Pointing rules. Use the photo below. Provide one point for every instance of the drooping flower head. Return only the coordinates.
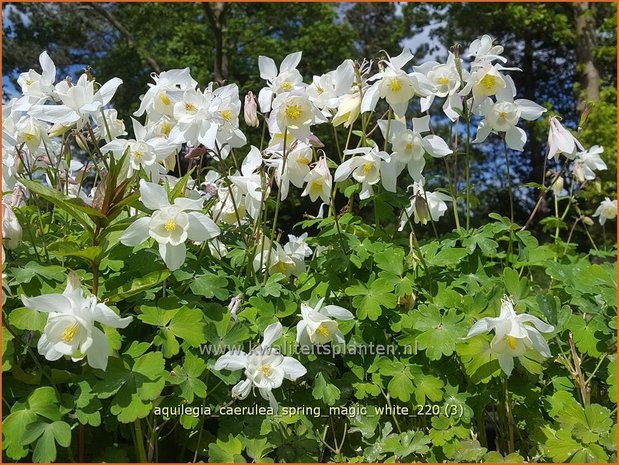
(513, 334)
(70, 328)
(265, 367)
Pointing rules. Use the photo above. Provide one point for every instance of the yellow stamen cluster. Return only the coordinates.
(266, 370)
(166, 128)
(165, 99)
(170, 225)
(512, 342)
(367, 167)
(293, 111)
(190, 107)
(287, 86)
(323, 330)
(395, 85)
(70, 332)
(488, 82)
(227, 115)
(443, 80)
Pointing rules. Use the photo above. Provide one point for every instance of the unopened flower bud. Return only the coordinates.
(315, 141)
(578, 172)
(11, 229)
(421, 207)
(58, 130)
(250, 110)
(81, 141)
(557, 186)
(234, 305)
(588, 221)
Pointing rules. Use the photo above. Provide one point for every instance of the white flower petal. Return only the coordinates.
(173, 255)
(99, 351)
(293, 369)
(290, 62)
(515, 138)
(153, 196)
(337, 312)
(136, 233)
(201, 227)
(436, 146)
(105, 315)
(506, 362)
(271, 334)
(231, 361)
(48, 303)
(267, 67)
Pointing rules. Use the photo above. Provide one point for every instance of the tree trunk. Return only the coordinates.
(589, 76)
(216, 14)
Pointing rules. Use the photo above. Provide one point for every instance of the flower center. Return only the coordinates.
(317, 184)
(395, 85)
(190, 107)
(488, 82)
(287, 86)
(443, 80)
(70, 332)
(281, 267)
(293, 111)
(502, 115)
(409, 147)
(367, 167)
(266, 370)
(170, 225)
(166, 128)
(609, 211)
(512, 342)
(323, 330)
(227, 115)
(29, 82)
(165, 99)
(138, 155)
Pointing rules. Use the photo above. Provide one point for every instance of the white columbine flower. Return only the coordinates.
(587, 162)
(607, 210)
(295, 113)
(319, 182)
(367, 169)
(39, 87)
(319, 325)
(503, 115)
(326, 91)
(265, 368)
(446, 81)
(410, 145)
(284, 81)
(70, 328)
(424, 206)
(168, 89)
(395, 85)
(170, 224)
(143, 152)
(513, 334)
(80, 102)
(561, 141)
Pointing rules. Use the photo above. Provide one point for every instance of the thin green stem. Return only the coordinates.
(139, 443)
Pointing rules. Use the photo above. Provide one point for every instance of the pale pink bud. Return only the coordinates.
(315, 141)
(250, 110)
(234, 305)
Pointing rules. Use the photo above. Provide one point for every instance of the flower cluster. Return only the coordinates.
(265, 367)
(224, 197)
